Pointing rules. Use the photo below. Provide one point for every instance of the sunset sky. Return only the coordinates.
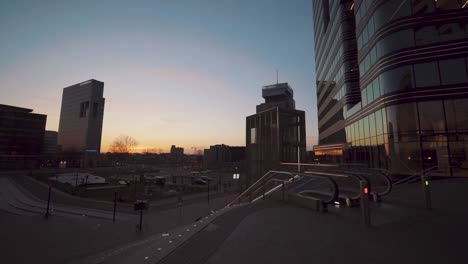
(183, 72)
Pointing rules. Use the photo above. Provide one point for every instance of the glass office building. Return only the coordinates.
(412, 109)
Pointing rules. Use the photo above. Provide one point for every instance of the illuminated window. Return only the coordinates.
(253, 135)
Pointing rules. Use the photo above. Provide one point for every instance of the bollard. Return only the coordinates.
(376, 198)
(365, 211)
(427, 191)
(115, 207)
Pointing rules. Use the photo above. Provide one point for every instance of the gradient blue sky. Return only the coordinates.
(184, 72)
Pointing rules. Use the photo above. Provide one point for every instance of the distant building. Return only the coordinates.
(223, 156)
(81, 118)
(177, 151)
(49, 147)
(22, 135)
(276, 133)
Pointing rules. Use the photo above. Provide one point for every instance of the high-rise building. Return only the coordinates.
(392, 84)
(81, 118)
(21, 137)
(275, 134)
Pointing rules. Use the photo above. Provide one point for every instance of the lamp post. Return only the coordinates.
(48, 202)
(298, 145)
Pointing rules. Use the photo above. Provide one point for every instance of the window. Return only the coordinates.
(402, 118)
(371, 27)
(456, 112)
(348, 134)
(397, 79)
(253, 135)
(364, 97)
(373, 55)
(448, 4)
(353, 132)
(370, 94)
(426, 35)
(378, 122)
(326, 14)
(426, 74)
(453, 71)
(384, 121)
(366, 127)
(361, 129)
(451, 31)
(84, 109)
(372, 127)
(376, 88)
(431, 117)
(396, 41)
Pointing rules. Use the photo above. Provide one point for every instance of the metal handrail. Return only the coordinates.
(346, 174)
(266, 178)
(414, 177)
(268, 174)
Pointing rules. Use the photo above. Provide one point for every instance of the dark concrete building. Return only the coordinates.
(392, 84)
(275, 134)
(177, 150)
(21, 137)
(223, 157)
(81, 118)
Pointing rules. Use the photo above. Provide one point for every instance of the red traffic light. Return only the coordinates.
(366, 190)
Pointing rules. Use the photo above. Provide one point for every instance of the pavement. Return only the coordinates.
(402, 231)
(271, 231)
(77, 229)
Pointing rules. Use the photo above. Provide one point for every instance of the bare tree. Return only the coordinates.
(123, 144)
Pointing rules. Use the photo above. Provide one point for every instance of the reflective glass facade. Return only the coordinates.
(413, 81)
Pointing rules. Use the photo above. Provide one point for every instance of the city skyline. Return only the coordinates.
(175, 73)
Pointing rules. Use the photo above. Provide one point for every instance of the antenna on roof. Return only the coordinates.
(276, 76)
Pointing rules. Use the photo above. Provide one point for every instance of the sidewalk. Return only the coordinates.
(28, 239)
(402, 232)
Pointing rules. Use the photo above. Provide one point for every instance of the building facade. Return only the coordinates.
(81, 118)
(223, 157)
(177, 150)
(21, 137)
(409, 62)
(275, 134)
(49, 147)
